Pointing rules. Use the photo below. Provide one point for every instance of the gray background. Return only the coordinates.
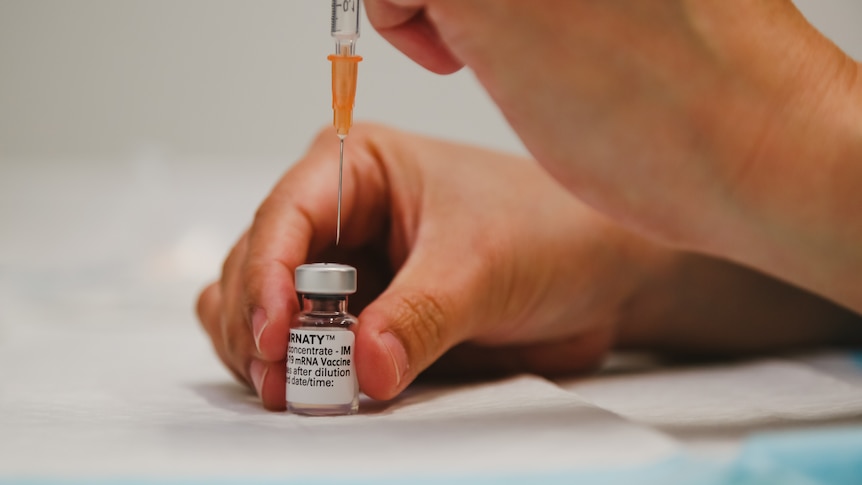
(227, 80)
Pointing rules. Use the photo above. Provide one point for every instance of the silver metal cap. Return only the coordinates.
(326, 279)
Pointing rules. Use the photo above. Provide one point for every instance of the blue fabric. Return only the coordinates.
(821, 457)
(831, 456)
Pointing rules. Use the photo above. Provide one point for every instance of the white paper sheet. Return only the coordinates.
(749, 393)
(152, 402)
(104, 373)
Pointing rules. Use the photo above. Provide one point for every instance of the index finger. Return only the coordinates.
(406, 26)
(297, 220)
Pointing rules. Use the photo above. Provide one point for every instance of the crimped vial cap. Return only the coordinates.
(326, 279)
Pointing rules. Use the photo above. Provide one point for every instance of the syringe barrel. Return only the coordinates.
(345, 25)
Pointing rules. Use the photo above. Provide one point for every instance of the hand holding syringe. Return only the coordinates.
(345, 30)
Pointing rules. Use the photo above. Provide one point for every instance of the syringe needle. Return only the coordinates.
(344, 28)
(340, 172)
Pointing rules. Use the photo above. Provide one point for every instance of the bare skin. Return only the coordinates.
(672, 137)
(481, 260)
(730, 128)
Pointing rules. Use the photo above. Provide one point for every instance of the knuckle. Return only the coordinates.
(252, 271)
(207, 301)
(227, 265)
(236, 254)
(423, 323)
(323, 135)
(263, 211)
(230, 364)
(360, 129)
(227, 346)
(234, 345)
(365, 127)
(254, 276)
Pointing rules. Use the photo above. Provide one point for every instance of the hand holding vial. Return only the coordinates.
(465, 261)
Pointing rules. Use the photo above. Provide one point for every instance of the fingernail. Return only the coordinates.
(257, 370)
(258, 324)
(397, 353)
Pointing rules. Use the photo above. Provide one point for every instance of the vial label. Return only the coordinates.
(320, 367)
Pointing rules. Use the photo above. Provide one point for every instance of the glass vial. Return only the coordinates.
(321, 376)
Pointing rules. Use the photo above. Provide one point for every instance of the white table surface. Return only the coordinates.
(104, 372)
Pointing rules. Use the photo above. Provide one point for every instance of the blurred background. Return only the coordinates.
(229, 80)
(138, 136)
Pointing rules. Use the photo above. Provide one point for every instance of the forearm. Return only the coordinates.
(806, 227)
(791, 206)
(731, 128)
(697, 305)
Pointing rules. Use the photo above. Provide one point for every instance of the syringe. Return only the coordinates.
(345, 63)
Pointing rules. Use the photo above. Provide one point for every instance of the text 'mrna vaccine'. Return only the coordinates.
(321, 375)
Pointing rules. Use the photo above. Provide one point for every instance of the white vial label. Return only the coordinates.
(320, 367)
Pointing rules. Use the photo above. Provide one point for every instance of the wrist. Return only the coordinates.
(700, 306)
(786, 143)
(792, 204)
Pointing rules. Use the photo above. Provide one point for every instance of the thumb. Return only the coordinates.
(422, 314)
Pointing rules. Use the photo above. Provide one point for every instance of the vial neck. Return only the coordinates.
(324, 304)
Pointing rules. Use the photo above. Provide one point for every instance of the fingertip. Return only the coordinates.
(268, 379)
(399, 335)
(270, 303)
(209, 304)
(270, 334)
(419, 40)
(381, 376)
(259, 322)
(397, 354)
(273, 344)
(257, 371)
